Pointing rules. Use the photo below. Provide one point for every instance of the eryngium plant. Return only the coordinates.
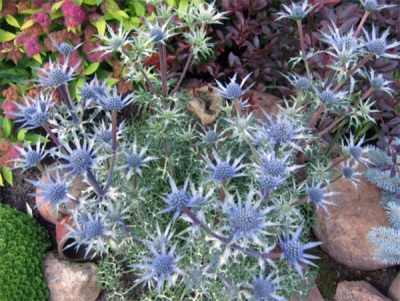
(195, 212)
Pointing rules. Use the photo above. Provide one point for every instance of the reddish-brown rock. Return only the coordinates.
(358, 291)
(344, 232)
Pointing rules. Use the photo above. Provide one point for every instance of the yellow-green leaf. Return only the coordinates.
(27, 24)
(21, 135)
(100, 24)
(38, 58)
(1, 180)
(12, 21)
(112, 81)
(91, 68)
(6, 36)
(139, 8)
(1, 5)
(90, 2)
(56, 6)
(7, 127)
(122, 14)
(183, 6)
(7, 174)
(135, 21)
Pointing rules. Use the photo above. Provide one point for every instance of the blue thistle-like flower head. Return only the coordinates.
(356, 151)
(378, 45)
(178, 199)
(161, 265)
(223, 170)
(135, 160)
(79, 160)
(265, 288)
(349, 172)
(114, 42)
(90, 230)
(28, 157)
(156, 34)
(56, 74)
(113, 101)
(329, 97)
(56, 191)
(232, 90)
(373, 5)
(35, 112)
(91, 92)
(294, 250)
(295, 12)
(283, 131)
(246, 221)
(64, 48)
(317, 195)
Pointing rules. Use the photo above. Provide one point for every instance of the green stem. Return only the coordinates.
(303, 48)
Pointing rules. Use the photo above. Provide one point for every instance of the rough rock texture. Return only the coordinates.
(358, 291)
(263, 103)
(70, 281)
(344, 232)
(394, 289)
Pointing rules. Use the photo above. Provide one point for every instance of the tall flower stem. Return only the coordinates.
(93, 182)
(51, 134)
(187, 64)
(353, 70)
(66, 99)
(317, 114)
(275, 254)
(114, 130)
(363, 19)
(303, 48)
(162, 54)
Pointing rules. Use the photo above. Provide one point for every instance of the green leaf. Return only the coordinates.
(139, 8)
(170, 2)
(100, 24)
(10, 19)
(112, 81)
(1, 180)
(21, 135)
(6, 36)
(91, 2)
(56, 6)
(122, 14)
(7, 127)
(7, 174)
(91, 68)
(183, 6)
(14, 75)
(27, 24)
(32, 138)
(38, 58)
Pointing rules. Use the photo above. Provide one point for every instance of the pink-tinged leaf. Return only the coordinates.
(256, 42)
(231, 59)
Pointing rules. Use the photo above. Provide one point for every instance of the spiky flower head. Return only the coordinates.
(112, 101)
(378, 83)
(383, 180)
(64, 48)
(28, 157)
(300, 83)
(211, 135)
(316, 195)
(92, 91)
(79, 159)
(134, 161)
(161, 265)
(283, 131)
(223, 170)
(103, 134)
(56, 191)
(356, 151)
(35, 113)
(90, 230)
(294, 250)
(378, 45)
(270, 165)
(203, 13)
(265, 288)
(157, 33)
(349, 172)
(56, 74)
(241, 127)
(378, 157)
(178, 198)
(114, 42)
(330, 97)
(232, 90)
(296, 11)
(373, 5)
(246, 221)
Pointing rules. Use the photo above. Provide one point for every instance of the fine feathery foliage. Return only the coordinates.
(23, 243)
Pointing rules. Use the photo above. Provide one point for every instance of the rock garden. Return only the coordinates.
(198, 150)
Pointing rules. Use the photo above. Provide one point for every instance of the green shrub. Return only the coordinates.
(22, 245)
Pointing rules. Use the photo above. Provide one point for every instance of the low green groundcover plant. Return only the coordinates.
(23, 243)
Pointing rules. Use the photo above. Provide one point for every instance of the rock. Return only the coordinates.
(263, 103)
(344, 231)
(313, 293)
(69, 281)
(358, 291)
(394, 289)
